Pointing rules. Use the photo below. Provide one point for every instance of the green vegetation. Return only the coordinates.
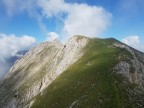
(92, 83)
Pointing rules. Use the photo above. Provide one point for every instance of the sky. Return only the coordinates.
(24, 23)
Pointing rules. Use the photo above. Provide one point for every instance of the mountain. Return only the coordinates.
(83, 73)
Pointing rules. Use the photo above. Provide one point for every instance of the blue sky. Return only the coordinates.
(127, 19)
(127, 16)
(23, 23)
(121, 19)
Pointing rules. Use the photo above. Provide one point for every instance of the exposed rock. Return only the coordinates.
(37, 69)
(119, 45)
(133, 69)
(124, 68)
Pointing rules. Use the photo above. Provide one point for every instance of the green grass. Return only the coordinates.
(91, 82)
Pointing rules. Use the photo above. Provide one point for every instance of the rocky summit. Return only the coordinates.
(83, 73)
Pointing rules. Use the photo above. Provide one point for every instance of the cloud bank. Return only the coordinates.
(134, 41)
(10, 46)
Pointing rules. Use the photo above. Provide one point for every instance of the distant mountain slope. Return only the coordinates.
(84, 73)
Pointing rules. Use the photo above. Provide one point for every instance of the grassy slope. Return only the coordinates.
(91, 82)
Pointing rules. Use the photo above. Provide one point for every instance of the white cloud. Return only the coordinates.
(52, 8)
(134, 41)
(10, 45)
(86, 20)
(52, 36)
(80, 19)
(74, 18)
(131, 40)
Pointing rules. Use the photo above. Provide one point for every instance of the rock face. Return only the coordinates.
(133, 69)
(37, 69)
(31, 76)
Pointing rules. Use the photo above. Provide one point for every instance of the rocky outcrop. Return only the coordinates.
(37, 69)
(133, 68)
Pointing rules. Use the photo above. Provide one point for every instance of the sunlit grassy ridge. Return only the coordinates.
(92, 82)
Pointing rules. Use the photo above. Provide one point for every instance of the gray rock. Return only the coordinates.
(37, 69)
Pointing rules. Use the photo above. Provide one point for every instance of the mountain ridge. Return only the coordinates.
(50, 63)
(52, 54)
